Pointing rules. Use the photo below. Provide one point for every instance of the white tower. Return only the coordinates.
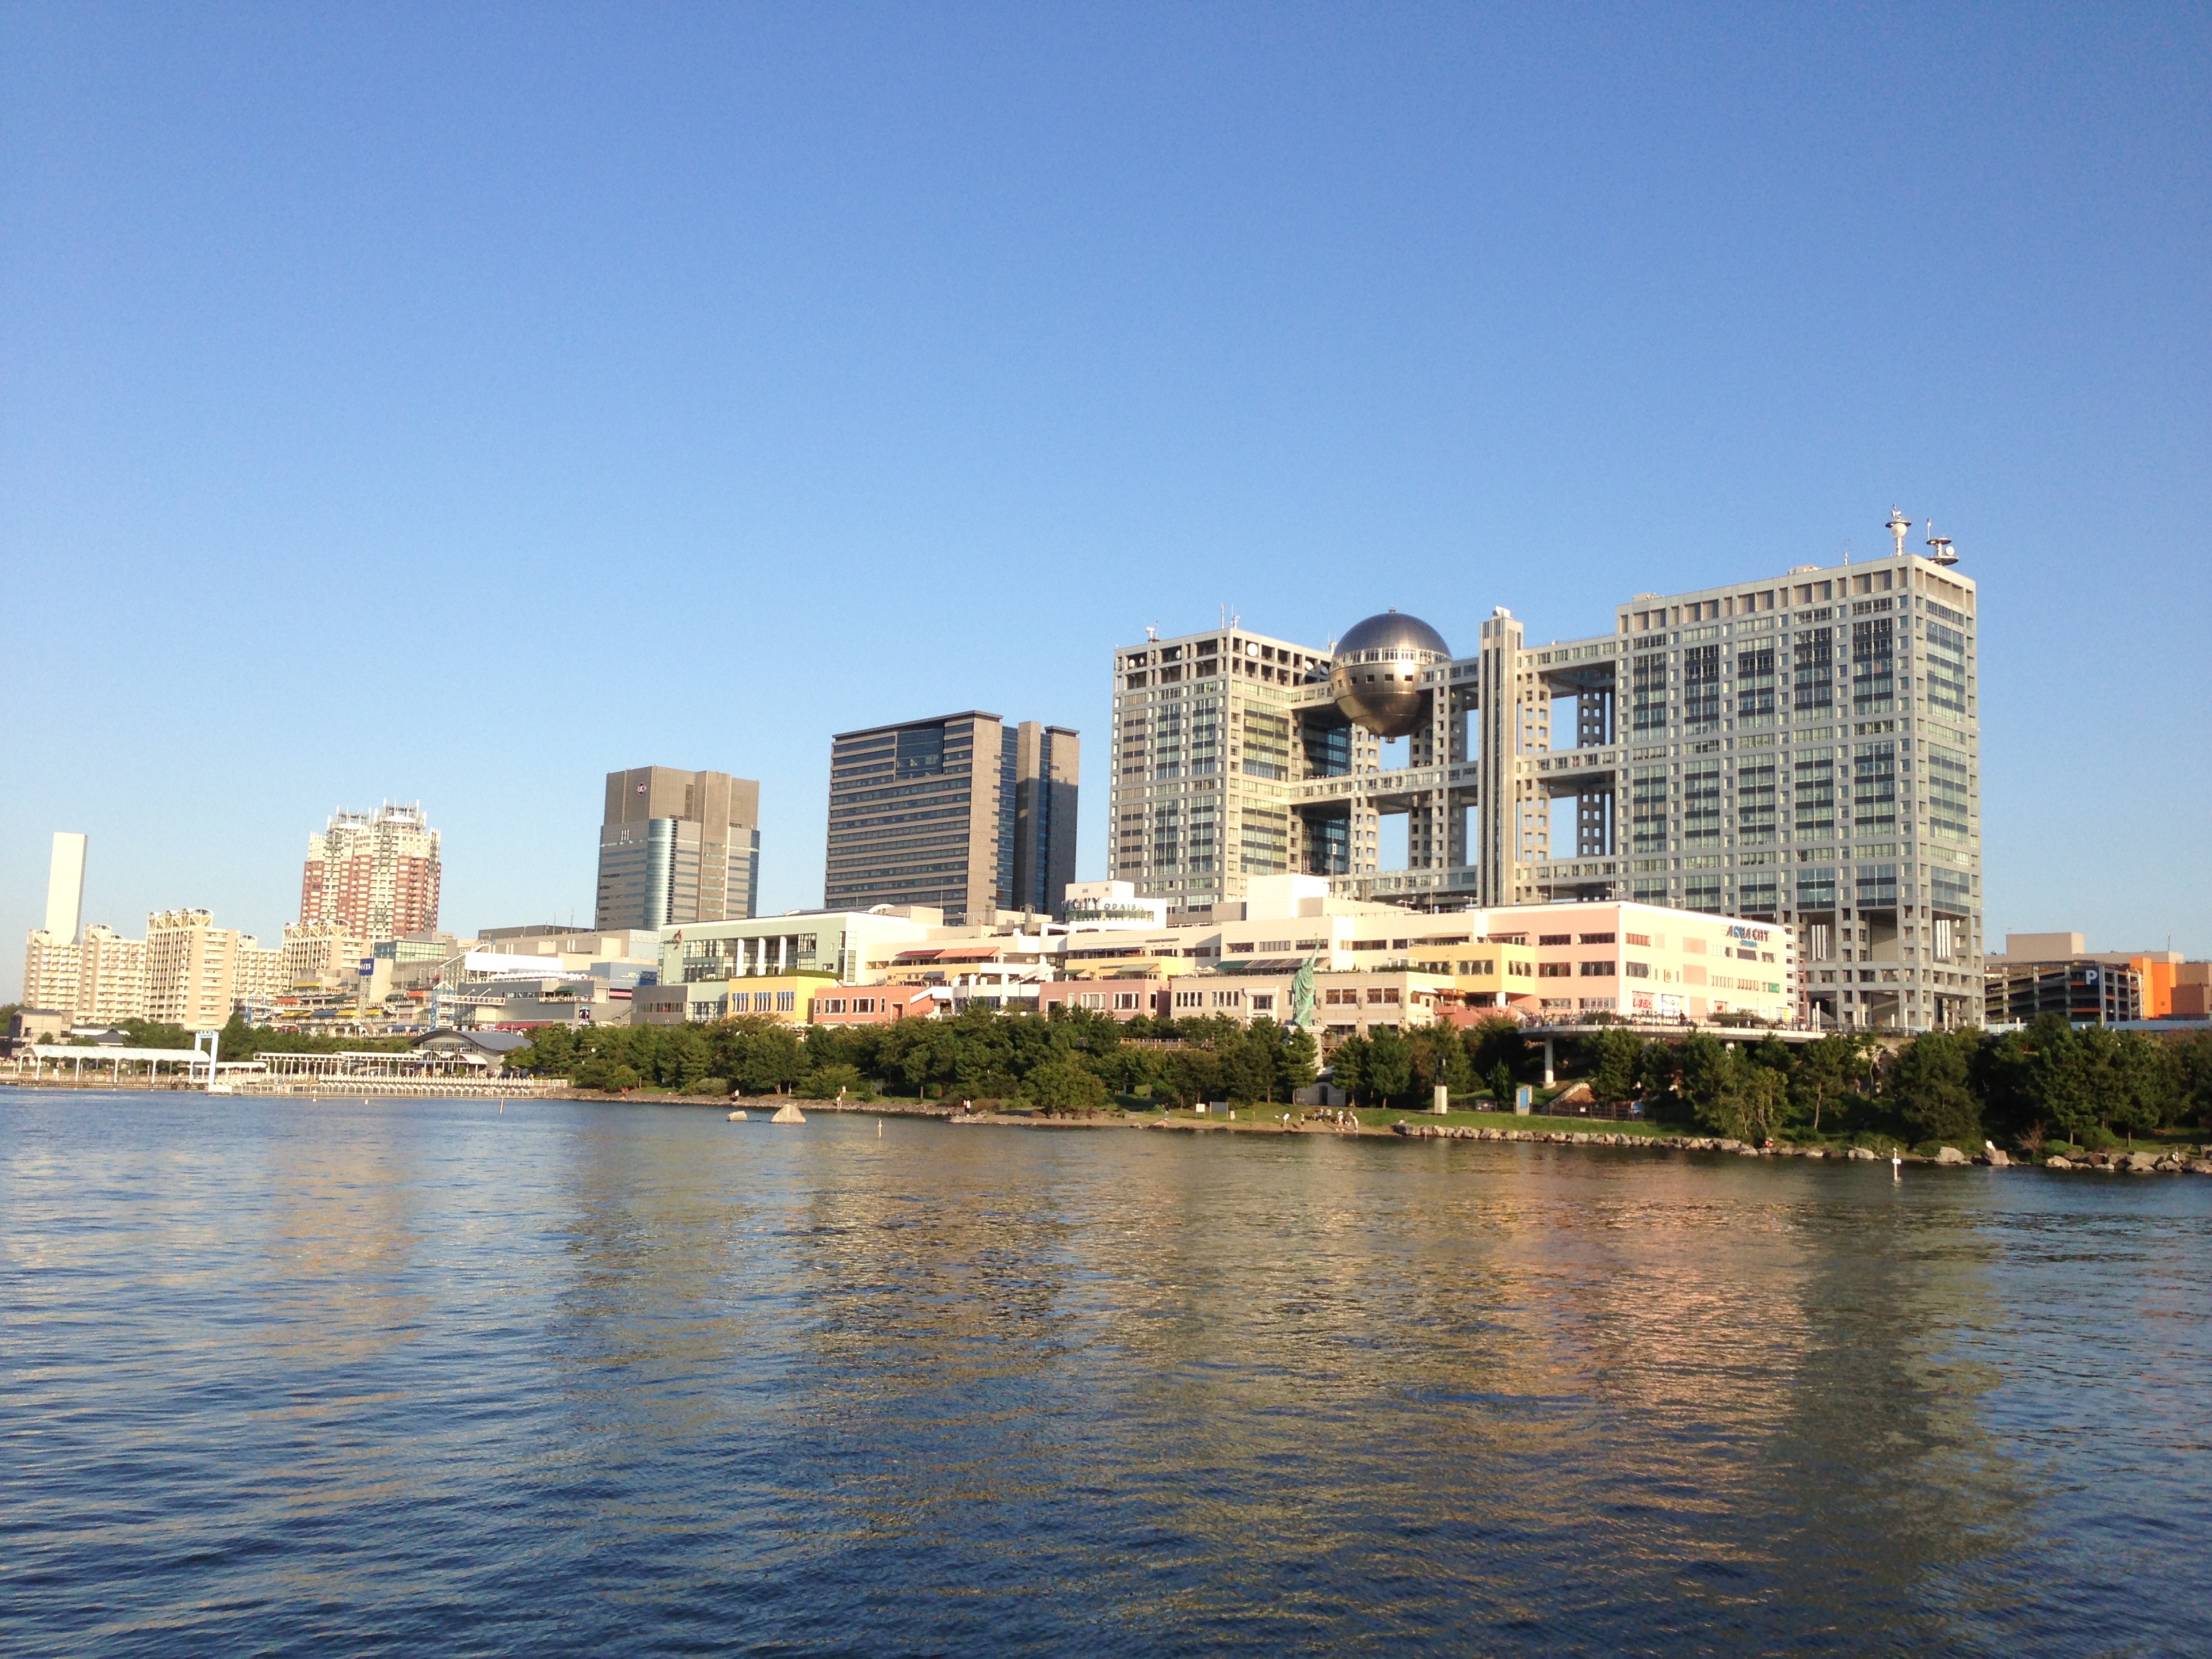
(65, 887)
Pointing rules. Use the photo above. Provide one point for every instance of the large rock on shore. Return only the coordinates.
(1951, 1155)
(2055, 1162)
(1862, 1154)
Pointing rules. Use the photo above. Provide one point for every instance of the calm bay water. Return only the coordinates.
(419, 1376)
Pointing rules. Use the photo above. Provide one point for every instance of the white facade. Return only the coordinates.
(50, 972)
(65, 887)
(111, 977)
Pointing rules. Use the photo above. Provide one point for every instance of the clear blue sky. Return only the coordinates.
(455, 404)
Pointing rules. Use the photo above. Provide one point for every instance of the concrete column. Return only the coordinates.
(1547, 1061)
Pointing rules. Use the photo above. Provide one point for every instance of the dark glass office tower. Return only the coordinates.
(965, 814)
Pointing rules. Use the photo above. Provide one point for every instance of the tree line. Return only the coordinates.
(1068, 1060)
(2046, 1084)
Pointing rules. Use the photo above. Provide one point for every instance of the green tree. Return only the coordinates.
(1248, 1064)
(1063, 1087)
(1821, 1072)
(1928, 1086)
(1297, 1060)
(827, 1082)
(1493, 1042)
(1615, 1062)
(1347, 1064)
(1440, 1057)
(1193, 1075)
(1390, 1065)
(1731, 1093)
(1501, 1086)
(2193, 1068)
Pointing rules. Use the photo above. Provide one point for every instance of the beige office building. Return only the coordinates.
(677, 846)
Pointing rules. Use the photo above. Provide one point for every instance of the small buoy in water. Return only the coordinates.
(738, 1117)
(1896, 1167)
(879, 1128)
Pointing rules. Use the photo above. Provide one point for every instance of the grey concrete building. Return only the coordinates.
(963, 812)
(1802, 748)
(677, 846)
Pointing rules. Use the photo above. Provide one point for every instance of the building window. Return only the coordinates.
(1648, 692)
(1597, 970)
(1814, 668)
(1873, 786)
(1873, 684)
(1701, 683)
(1755, 681)
(1555, 970)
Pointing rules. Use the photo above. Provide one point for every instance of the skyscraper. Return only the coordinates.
(377, 873)
(677, 846)
(964, 813)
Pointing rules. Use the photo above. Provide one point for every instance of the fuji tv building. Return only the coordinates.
(1800, 750)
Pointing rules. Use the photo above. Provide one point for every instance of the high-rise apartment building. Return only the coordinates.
(965, 814)
(320, 953)
(192, 968)
(111, 984)
(50, 972)
(677, 846)
(1802, 748)
(50, 953)
(376, 873)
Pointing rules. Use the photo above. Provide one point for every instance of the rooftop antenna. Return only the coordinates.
(1898, 524)
(1939, 547)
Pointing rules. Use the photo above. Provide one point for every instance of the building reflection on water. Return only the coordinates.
(928, 1387)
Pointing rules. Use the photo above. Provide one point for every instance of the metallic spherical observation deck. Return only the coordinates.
(1375, 675)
